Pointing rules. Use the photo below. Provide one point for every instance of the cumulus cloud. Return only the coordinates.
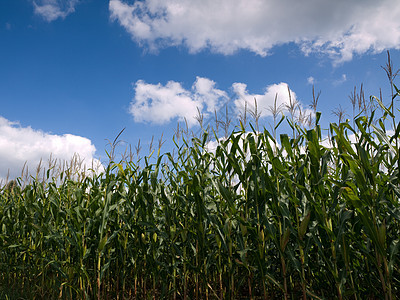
(51, 10)
(159, 104)
(338, 28)
(21, 146)
(265, 102)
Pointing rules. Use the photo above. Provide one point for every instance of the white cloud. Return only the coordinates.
(51, 10)
(160, 104)
(338, 28)
(20, 145)
(310, 80)
(266, 101)
(157, 103)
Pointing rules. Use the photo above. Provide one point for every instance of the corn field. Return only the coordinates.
(300, 217)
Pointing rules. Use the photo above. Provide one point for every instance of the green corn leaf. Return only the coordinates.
(387, 111)
(286, 144)
(102, 243)
(304, 225)
(383, 137)
(382, 235)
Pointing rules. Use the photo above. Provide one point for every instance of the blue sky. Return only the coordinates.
(74, 73)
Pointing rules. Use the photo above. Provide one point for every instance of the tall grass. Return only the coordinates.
(301, 217)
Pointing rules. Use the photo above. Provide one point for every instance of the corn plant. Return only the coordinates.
(299, 217)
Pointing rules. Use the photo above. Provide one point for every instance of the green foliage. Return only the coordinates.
(306, 218)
